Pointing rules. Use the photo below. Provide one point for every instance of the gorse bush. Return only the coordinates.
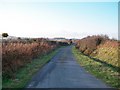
(17, 53)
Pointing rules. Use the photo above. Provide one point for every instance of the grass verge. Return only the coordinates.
(25, 74)
(103, 72)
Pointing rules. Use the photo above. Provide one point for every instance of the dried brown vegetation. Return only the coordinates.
(89, 44)
(100, 47)
(17, 53)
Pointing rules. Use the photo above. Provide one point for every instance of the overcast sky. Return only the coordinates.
(28, 18)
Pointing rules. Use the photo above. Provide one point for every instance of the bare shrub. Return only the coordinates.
(89, 44)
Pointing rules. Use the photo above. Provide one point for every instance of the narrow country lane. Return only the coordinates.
(64, 72)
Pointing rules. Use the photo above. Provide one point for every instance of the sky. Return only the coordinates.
(73, 19)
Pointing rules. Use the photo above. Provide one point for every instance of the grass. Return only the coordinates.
(103, 72)
(108, 54)
(25, 74)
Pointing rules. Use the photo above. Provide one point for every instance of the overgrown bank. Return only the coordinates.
(100, 56)
(100, 47)
(22, 57)
(17, 53)
(101, 71)
(23, 75)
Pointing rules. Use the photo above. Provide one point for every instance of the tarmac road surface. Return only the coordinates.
(64, 72)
